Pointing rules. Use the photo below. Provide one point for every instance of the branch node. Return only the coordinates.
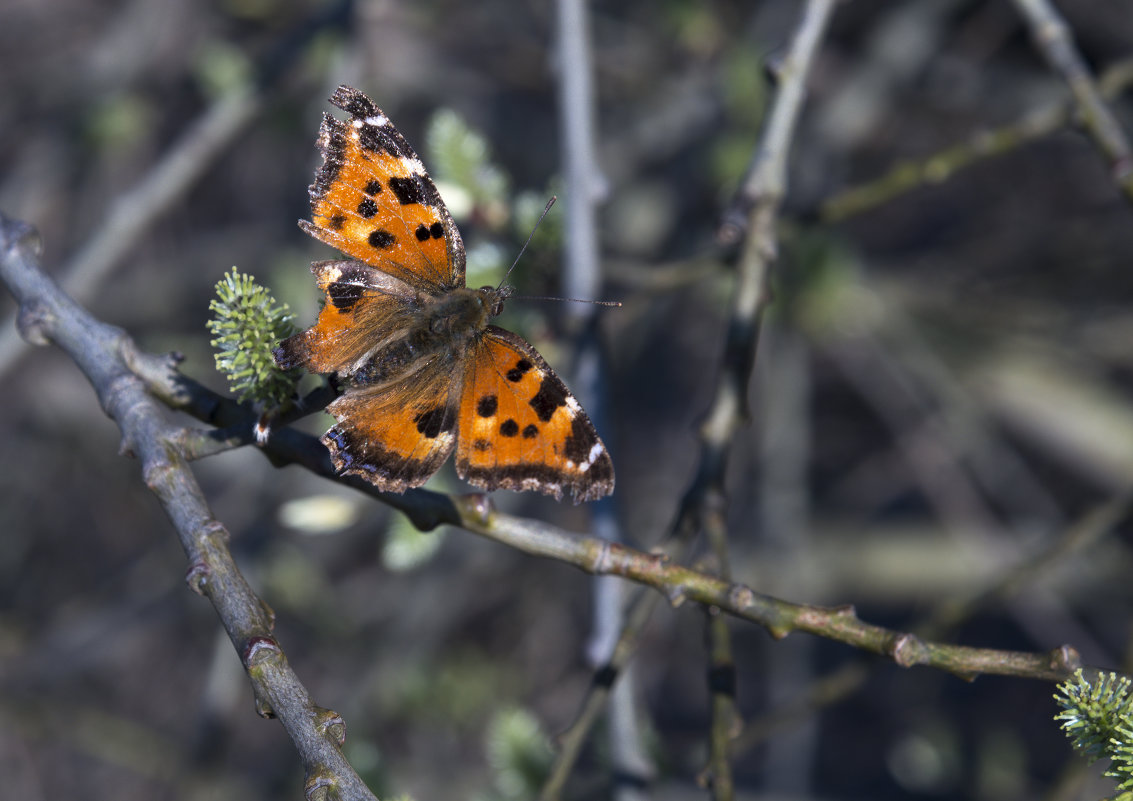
(21, 234)
(1065, 658)
(259, 650)
(33, 322)
(331, 724)
(320, 786)
(197, 577)
(261, 431)
(263, 708)
(906, 650)
(476, 508)
(676, 595)
(603, 560)
(741, 597)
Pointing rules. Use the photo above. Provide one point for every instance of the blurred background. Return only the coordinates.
(942, 391)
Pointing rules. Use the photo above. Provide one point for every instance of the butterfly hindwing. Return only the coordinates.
(520, 427)
(373, 200)
(393, 439)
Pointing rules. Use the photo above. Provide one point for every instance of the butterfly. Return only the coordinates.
(422, 369)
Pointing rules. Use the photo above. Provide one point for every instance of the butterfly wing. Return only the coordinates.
(397, 417)
(364, 308)
(373, 200)
(520, 428)
(396, 437)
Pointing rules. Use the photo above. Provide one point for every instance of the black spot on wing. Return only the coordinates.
(531, 431)
(509, 428)
(381, 239)
(520, 370)
(372, 188)
(422, 232)
(407, 190)
(344, 294)
(336, 222)
(367, 208)
(581, 440)
(433, 421)
(487, 405)
(551, 395)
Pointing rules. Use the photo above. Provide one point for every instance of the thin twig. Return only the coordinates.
(597, 556)
(755, 213)
(680, 584)
(581, 278)
(189, 158)
(757, 206)
(944, 164)
(947, 615)
(1053, 37)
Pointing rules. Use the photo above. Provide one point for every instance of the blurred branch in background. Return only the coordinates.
(167, 182)
(943, 165)
(703, 506)
(582, 279)
(1053, 38)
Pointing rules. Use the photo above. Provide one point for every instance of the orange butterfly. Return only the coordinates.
(423, 371)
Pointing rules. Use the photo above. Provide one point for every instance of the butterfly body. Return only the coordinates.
(424, 370)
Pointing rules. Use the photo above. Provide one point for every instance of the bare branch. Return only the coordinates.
(704, 500)
(944, 164)
(1052, 36)
(104, 354)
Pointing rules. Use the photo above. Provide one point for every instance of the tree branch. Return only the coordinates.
(942, 165)
(104, 353)
(1052, 36)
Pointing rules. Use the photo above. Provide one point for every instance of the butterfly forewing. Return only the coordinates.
(361, 303)
(373, 200)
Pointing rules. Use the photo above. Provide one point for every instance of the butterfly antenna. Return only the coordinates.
(567, 300)
(546, 209)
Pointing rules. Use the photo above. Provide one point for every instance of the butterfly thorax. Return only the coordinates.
(460, 314)
(440, 326)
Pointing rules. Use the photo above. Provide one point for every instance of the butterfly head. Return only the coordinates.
(494, 297)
